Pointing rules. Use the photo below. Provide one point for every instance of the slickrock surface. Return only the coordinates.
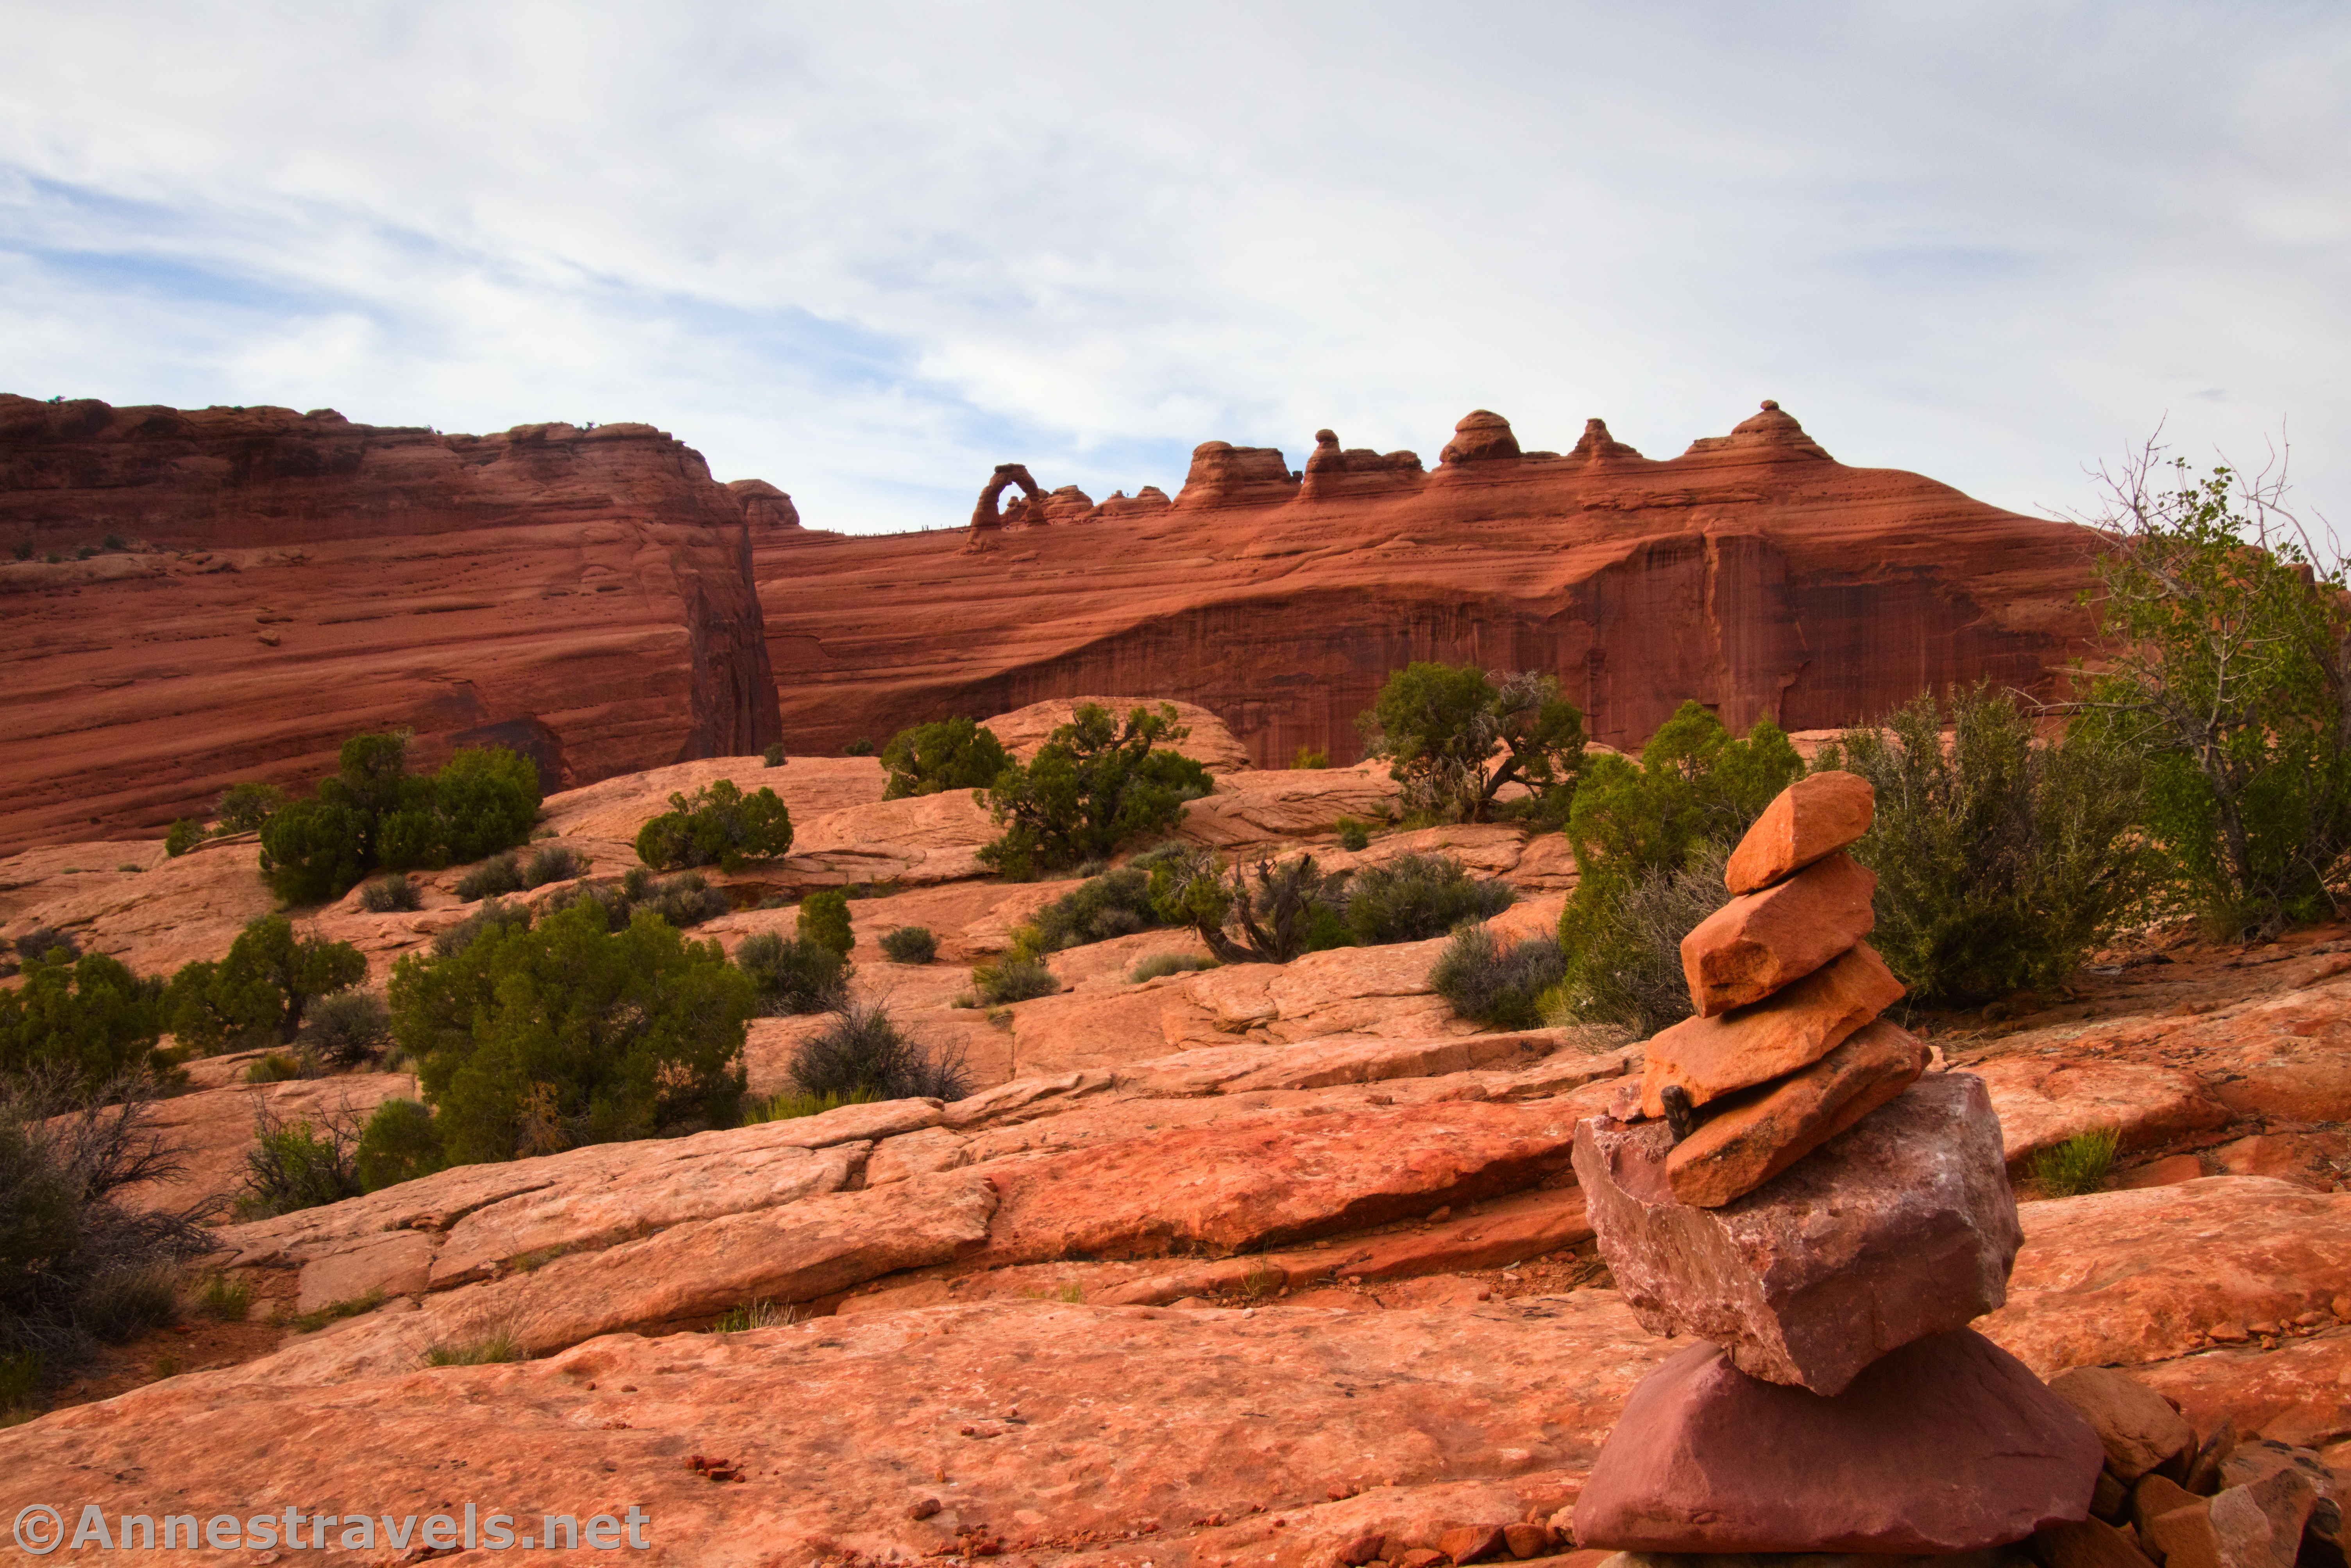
(1754, 572)
(1055, 1425)
(1902, 1227)
(1761, 941)
(583, 595)
(1946, 1445)
(1710, 1056)
(1816, 816)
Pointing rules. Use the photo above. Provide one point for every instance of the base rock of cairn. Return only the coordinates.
(1791, 1187)
(1903, 1226)
(1948, 1445)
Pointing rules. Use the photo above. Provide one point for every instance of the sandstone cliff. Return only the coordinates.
(288, 579)
(1754, 572)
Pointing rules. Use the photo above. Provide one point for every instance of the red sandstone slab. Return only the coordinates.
(1764, 1131)
(1712, 1057)
(1762, 942)
(1813, 816)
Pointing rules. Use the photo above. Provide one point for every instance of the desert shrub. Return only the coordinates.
(824, 921)
(2226, 662)
(181, 836)
(2001, 862)
(910, 944)
(373, 813)
(1415, 897)
(259, 993)
(1354, 836)
(2079, 1165)
(554, 863)
(793, 1103)
(1691, 794)
(1630, 970)
(953, 753)
(1311, 757)
(47, 942)
(77, 1263)
(399, 1144)
(1015, 977)
(494, 915)
(299, 1164)
(224, 1297)
(1268, 913)
(761, 1314)
(347, 1029)
(496, 876)
(1440, 725)
(773, 756)
(489, 1351)
(862, 747)
(1158, 963)
(1096, 785)
(862, 1052)
(683, 901)
(1484, 980)
(244, 808)
(81, 1022)
(719, 826)
(536, 1038)
(391, 895)
(792, 976)
(1114, 903)
(274, 1067)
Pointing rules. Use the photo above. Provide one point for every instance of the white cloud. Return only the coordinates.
(868, 255)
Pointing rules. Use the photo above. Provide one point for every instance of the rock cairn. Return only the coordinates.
(1791, 1188)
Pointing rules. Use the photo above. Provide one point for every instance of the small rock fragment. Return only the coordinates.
(1712, 1057)
(1816, 816)
(2141, 1432)
(1755, 1137)
(1762, 942)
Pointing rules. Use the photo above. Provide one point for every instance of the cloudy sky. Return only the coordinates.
(867, 252)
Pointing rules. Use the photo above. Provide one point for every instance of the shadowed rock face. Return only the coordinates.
(1754, 572)
(296, 578)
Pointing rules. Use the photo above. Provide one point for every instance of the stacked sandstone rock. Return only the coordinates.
(1793, 1189)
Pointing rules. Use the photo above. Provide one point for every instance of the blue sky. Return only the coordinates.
(867, 256)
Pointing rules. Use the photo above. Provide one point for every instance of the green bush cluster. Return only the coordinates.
(84, 1020)
(2002, 861)
(953, 753)
(1114, 903)
(719, 826)
(530, 1038)
(373, 813)
(246, 808)
(910, 944)
(297, 1164)
(1096, 785)
(1440, 727)
(396, 893)
(1159, 963)
(1415, 897)
(861, 1053)
(1482, 979)
(77, 1263)
(1694, 790)
(824, 920)
(259, 994)
(791, 975)
(347, 1029)
(1266, 913)
(1017, 977)
(399, 1144)
(183, 835)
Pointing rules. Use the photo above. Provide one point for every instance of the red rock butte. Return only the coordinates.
(1754, 572)
(592, 595)
(290, 580)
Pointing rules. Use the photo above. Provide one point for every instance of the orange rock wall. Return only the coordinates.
(1754, 572)
(294, 579)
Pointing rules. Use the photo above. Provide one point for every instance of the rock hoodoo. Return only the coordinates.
(1753, 573)
(1830, 1223)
